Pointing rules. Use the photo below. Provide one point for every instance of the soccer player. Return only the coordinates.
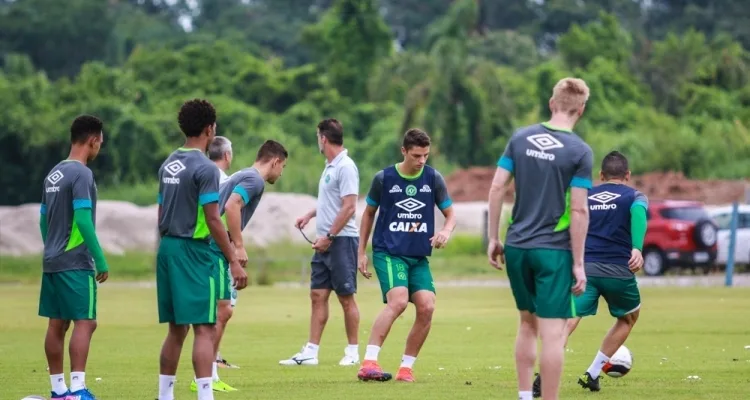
(187, 271)
(220, 152)
(617, 227)
(71, 254)
(545, 241)
(238, 199)
(334, 264)
(404, 237)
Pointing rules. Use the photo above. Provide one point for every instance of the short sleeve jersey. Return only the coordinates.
(68, 187)
(249, 185)
(188, 180)
(545, 162)
(339, 179)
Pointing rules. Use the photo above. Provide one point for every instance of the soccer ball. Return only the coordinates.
(619, 364)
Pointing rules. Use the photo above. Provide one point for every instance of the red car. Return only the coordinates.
(680, 234)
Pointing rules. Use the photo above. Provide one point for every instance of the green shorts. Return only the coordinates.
(186, 275)
(68, 295)
(410, 272)
(541, 281)
(622, 296)
(225, 289)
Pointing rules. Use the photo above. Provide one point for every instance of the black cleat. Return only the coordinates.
(536, 388)
(587, 382)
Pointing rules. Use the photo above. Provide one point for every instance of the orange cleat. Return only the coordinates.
(371, 371)
(405, 375)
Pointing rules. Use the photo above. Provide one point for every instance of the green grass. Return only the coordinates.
(469, 354)
(464, 257)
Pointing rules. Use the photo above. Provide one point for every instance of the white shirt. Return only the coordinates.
(340, 178)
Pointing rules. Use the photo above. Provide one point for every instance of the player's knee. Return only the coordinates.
(319, 297)
(630, 319)
(347, 302)
(225, 311)
(425, 309)
(398, 303)
(87, 324)
(528, 325)
(178, 332)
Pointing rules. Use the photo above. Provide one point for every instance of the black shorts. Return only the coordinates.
(336, 269)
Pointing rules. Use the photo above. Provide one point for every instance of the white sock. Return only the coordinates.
(407, 361)
(371, 354)
(311, 349)
(218, 356)
(596, 367)
(215, 372)
(205, 388)
(77, 381)
(352, 349)
(58, 383)
(166, 387)
(525, 396)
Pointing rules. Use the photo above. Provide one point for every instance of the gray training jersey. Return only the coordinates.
(249, 185)
(188, 180)
(69, 186)
(545, 162)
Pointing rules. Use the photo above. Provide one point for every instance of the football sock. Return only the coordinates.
(525, 396)
(215, 371)
(166, 387)
(205, 388)
(352, 349)
(407, 361)
(371, 354)
(311, 349)
(77, 381)
(58, 383)
(596, 367)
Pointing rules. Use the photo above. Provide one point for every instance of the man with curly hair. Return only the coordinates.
(187, 268)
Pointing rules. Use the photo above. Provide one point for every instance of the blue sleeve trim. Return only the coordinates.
(242, 192)
(81, 203)
(206, 198)
(639, 203)
(505, 163)
(580, 183)
(43, 209)
(445, 204)
(159, 199)
(370, 202)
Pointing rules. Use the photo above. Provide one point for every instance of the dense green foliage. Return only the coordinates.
(669, 84)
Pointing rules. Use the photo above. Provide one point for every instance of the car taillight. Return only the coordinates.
(678, 230)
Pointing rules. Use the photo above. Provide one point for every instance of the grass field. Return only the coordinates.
(469, 355)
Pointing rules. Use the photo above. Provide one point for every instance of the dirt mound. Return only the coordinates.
(473, 184)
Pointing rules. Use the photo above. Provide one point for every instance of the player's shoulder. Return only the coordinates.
(71, 170)
(524, 132)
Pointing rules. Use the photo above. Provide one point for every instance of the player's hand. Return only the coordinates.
(580, 275)
(636, 261)
(302, 222)
(239, 276)
(102, 276)
(241, 254)
(496, 250)
(362, 266)
(321, 245)
(441, 239)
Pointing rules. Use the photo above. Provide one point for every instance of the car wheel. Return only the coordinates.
(654, 262)
(705, 234)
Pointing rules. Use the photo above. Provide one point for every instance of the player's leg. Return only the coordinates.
(171, 349)
(77, 297)
(422, 294)
(392, 273)
(320, 292)
(521, 281)
(224, 313)
(553, 276)
(220, 360)
(586, 305)
(343, 258)
(54, 341)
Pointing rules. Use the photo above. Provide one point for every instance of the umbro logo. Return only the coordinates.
(410, 205)
(425, 189)
(603, 198)
(55, 177)
(173, 168)
(543, 142)
(395, 189)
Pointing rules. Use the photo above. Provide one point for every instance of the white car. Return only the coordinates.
(723, 218)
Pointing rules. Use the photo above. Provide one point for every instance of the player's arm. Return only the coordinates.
(349, 189)
(445, 205)
(208, 198)
(43, 219)
(83, 217)
(498, 190)
(245, 190)
(579, 209)
(368, 217)
(638, 220)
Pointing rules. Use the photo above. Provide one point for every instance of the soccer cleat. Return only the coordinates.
(405, 375)
(300, 358)
(82, 394)
(371, 371)
(55, 396)
(536, 388)
(349, 359)
(222, 363)
(587, 382)
(216, 386)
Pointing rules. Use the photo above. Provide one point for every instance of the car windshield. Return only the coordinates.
(685, 213)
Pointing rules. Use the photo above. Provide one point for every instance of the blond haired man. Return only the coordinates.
(545, 242)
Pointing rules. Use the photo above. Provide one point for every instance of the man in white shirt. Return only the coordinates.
(220, 152)
(334, 264)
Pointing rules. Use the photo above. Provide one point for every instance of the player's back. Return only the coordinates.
(545, 163)
(68, 186)
(185, 179)
(249, 184)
